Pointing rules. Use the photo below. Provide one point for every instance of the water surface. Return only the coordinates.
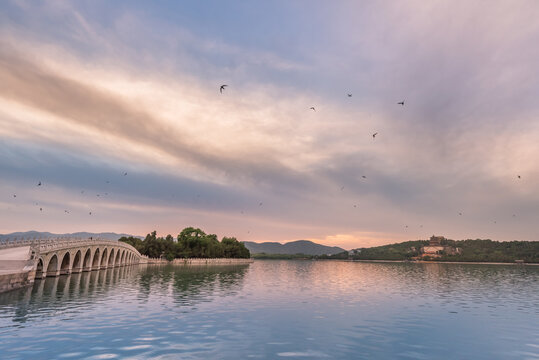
(278, 309)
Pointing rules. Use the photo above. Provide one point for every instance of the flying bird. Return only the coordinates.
(518, 176)
(67, 212)
(90, 213)
(349, 95)
(222, 88)
(40, 209)
(14, 195)
(460, 213)
(125, 174)
(260, 204)
(401, 103)
(312, 108)
(39, 184)
(363, 176)
(374, 135)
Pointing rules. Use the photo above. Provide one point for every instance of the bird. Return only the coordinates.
(125, 174)
(312, 108)
(518, 176)
(67, 212)
(39, 184)
(355, 205)
(349, 95)
(363, 176)
(460, 213)
(222, 88)
(14, 195)
(401, 103)
(40, 209)
(90, 213)
(374, 135)
(260, 204)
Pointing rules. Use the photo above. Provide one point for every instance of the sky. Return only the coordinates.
(115, 107)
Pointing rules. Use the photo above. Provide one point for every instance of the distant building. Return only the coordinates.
(436, 240)
(436, 249)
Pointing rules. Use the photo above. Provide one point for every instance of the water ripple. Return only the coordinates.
(285, 309)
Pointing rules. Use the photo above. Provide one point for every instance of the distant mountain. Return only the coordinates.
(82, 235)
(295, 247)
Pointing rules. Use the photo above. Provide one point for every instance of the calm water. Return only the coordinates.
(278, 309)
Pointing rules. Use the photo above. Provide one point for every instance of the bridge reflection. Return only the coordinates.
(65, 296)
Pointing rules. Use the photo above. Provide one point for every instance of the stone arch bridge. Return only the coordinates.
(54, 257)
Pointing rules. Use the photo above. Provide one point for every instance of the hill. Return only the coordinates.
(477, 250)
(82, 235)
(295, 247)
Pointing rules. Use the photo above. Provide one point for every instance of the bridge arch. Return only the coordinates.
(65, 267)
(87, 265)
(122, 260)
(39, 269)
(104, 259)
(111, 258)
(117, 261)
(77, 262)
(95, 262)
(52, 267)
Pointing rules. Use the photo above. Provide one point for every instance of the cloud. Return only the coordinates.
(96, 95)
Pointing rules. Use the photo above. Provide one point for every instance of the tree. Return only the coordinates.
(234, 249)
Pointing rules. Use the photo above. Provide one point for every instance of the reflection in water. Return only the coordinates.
(278, 309)
(189, 285)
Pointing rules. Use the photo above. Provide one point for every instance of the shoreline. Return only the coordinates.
(445, 262)
(199, 261)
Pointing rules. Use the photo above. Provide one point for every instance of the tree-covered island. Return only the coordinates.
(190, 243)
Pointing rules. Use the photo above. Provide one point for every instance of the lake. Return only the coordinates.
(278, 310)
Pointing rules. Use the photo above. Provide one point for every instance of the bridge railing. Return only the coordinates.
(48, 244)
